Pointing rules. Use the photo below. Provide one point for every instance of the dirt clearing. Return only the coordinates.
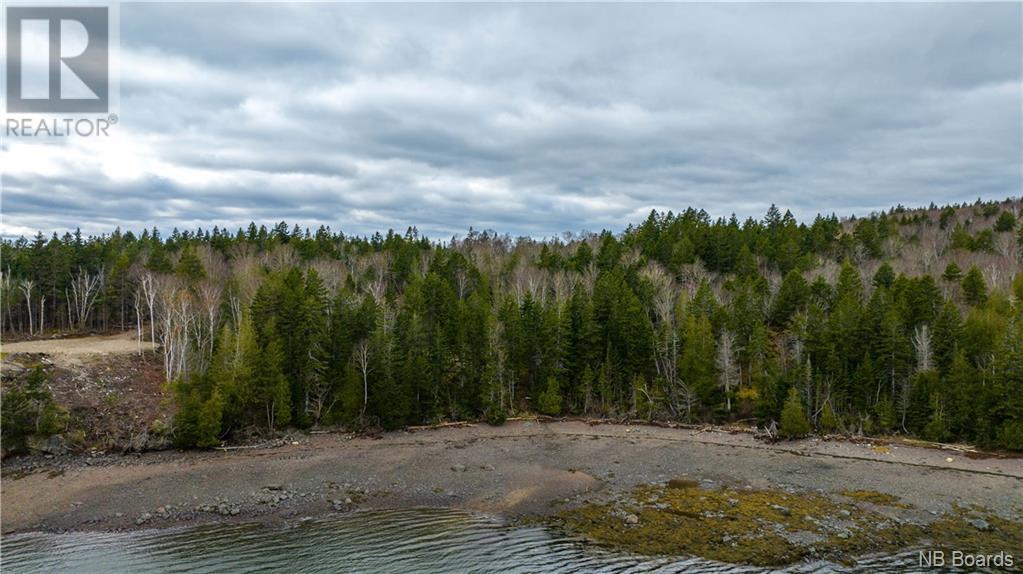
(65, 352)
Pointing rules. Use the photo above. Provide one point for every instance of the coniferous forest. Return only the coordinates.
(908, 321)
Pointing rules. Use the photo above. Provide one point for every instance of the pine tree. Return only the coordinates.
(792, 296)
(974, 288)
(829, 422)
(264, 383)
(549, 401)
(947, 331)
(937, 428)
(886, 417)
(208, 425)
(952, 274)
(698, 356)
(794, 423)
(189, 266)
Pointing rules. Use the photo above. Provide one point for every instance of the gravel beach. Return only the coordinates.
(521, 468)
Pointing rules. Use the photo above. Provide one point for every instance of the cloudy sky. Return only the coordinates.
(534, 119)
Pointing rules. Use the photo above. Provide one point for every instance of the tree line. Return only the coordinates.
(907, 321)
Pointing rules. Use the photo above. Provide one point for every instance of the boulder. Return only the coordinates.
(54, 445)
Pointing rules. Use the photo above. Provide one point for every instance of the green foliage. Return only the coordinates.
(496, 416)
(1006, 222)
(189, 266)
(886, 416)
(937, 428)
(974, 287)
(794, 423)
(401, 331)
(829, 422)
(1010, 436)
(952, 273)
(549, 401)
(792, 297)
(209, 423)
(28, 410)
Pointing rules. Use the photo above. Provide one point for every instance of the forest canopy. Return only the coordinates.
(907, 321)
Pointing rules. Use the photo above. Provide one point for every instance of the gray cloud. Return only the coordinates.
(535, 119)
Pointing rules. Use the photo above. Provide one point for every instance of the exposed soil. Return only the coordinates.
(70, 352)
(517, 469)
(115, 399)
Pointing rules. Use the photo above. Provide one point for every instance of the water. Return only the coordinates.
(400, 541)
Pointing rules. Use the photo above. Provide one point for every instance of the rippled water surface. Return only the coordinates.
(402, 541)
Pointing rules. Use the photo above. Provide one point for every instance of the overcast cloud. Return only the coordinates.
(534, 119)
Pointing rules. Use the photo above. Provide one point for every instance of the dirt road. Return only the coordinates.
(72, 350)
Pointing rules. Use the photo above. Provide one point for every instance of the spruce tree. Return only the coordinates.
(792, 296)
(974, 287)
(549, 401)
(952, 273)
(794, 423)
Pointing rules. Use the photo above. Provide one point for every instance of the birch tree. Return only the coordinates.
(726, 364)
(26, 286)
(85, 288)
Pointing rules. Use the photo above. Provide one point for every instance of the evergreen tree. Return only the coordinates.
(974, 288)
(549, 401)
(189, 266)
(794, 423)
(792, 296)
(952, 273)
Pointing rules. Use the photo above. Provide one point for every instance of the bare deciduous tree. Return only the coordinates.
(361, 356)
(922, 345)
(85, 288)
(26, 286)
(726, 365)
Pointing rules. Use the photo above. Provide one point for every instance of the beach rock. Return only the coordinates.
(631, 519)
(11, 370)
(980, 524)
(54, 445)
(458, 467)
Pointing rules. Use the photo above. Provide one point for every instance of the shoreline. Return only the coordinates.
(524, 468)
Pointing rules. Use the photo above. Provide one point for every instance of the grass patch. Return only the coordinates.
(772, 527)
(977, 529)
(682, 483)
(878, 498)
